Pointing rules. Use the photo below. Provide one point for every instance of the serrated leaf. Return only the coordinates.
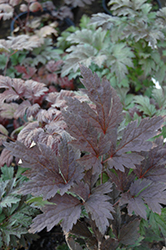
(99, 207)
(3, 60)
(3, 130)
(93, 129)
(145, 105)
(158, 221)
(153, 167)
(5, 157)
(68, 209)
(83, 54)
(49, 173)
(8, 201)
(38, 202)
(129, 233)
(118, 60)
(159, 96)
(80, 3)
(144, 192)
(7, 173)
(135, 137)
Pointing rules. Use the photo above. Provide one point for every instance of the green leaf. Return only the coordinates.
(7, 173)
(18, 57)
(159, 96)
(119, 58)
(158, 221)
(38, 202)
(148, 65)
(144, 105)
(3, 60)
(8, 201)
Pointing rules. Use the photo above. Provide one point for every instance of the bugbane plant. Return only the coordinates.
(128, 47)
(104, 184)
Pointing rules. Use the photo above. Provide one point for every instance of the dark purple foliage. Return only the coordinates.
(76, 147)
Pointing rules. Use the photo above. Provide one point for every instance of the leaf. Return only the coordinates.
(7, 110)
(48, 173)
(118, 59)
(79, 3)
(129, 233)
(38, 202)
(66, 209)
(8, 201)
(16, 88)
(102, 19)
(79, 54)
(124, 160)
(45, 31)
(122, 180)
(99, 207)
(144, 192)
(6, 157)
(73, 244)
(7, 173)
(93, 130)
(21, 42)
(134, 137)
(6, 11)
(159, 96)
(3, 58)
(153, 166)
(158, 221)
(26, 108)
(145, 105)
(3, 130)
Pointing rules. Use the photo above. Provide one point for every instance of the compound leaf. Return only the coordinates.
(48, 173)
(66, 209)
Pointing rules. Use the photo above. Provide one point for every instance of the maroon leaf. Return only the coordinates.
(49, 115)
(96, 202)
(29, 133)
(34, 89)
(67, 208)
(135, 137)
(48, 173)
(122, 180)
(6, 157)
(129, 233)
(65, 83)
(144, 192)
(153, 167)
(127, 160)
(108, 105)
(58, 99)
(99, 207)
(17, 88)
(8, 95)
(26, 108)
(109, 243)
(87, 138)
(53, 66)
(94, 128)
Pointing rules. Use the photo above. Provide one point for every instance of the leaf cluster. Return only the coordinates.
(96, 171)
(129, 48)
(15, 215)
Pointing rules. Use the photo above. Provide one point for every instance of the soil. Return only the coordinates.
(49, 240)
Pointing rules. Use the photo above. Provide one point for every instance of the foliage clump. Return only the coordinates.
(91, 160)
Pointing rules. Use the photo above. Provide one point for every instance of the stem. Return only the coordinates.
(8, 57)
